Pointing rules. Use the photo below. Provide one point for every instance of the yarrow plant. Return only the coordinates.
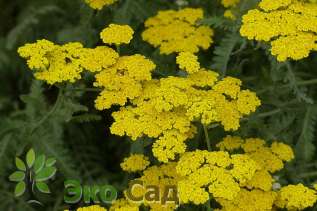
(197, 115)
(289, 26)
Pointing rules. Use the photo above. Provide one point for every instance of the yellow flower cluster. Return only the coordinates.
(99, 4)
(167, 108)
(123, 80)
(229, 5)
(216, 173)
(188, 62)
(249, 200)
(58, 63)
(123, 205)
(296, 197)
(269, 158)
(117, 34)
(176, 31)
(136, 162)
(289, 25)
(160, 176)
(91, 208)
(256, 193)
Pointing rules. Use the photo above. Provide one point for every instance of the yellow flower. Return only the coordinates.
(99, 4)
(213, 173)
(229, 14)
(92, 208)
(54, 63)
(175, 31)
(247, 102)
(283, 151)
(123, 205)
(165, 109)
(230, 143)
(123, 80)
(262, 179)
(249, 201)
(289, 26)
(117, 34)
(296, 197)
(229, 3)
(136, 162)
(95, 60)
(188, 62)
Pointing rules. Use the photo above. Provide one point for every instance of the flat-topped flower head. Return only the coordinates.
(290, 26)
(134, 163)
(296, 197)
(99, 4)
(91, 208)
(55, 63)
(176, 31)
(117, 34)
(188, 62)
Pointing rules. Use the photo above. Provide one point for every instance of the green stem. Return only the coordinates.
(51, 112)
(308, 174)
(207, 137)
(118, 49)
(269, 113)
(300, 83)
(208, 207)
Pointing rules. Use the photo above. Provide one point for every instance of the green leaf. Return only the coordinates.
(19, 189)
(20, 164)
(42, 187)
(30, 158)
(50, 162)
(39, 163)
(17, 176)
(305, 148)
(215, 21)
(45, 174)
(223, 52)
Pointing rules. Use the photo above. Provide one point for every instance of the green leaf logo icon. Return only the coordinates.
(30, 158)
(19, 189)
(34, 172)
(45, 174)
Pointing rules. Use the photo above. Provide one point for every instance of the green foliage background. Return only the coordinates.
(63, 123)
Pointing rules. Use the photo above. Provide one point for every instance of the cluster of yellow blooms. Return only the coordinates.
(166, 109)
(176, 31)
(239, 177)
(54, 63)
(59, 63)
(230, 5)
(135, 162)
(123, 80)
(215, 173)
(117, 34)
(91, 208)
(99, 4)
(124, 205)
(289, 25)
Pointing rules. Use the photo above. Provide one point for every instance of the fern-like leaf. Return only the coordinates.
(83, 118)
(223, 52)
(305, 147)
